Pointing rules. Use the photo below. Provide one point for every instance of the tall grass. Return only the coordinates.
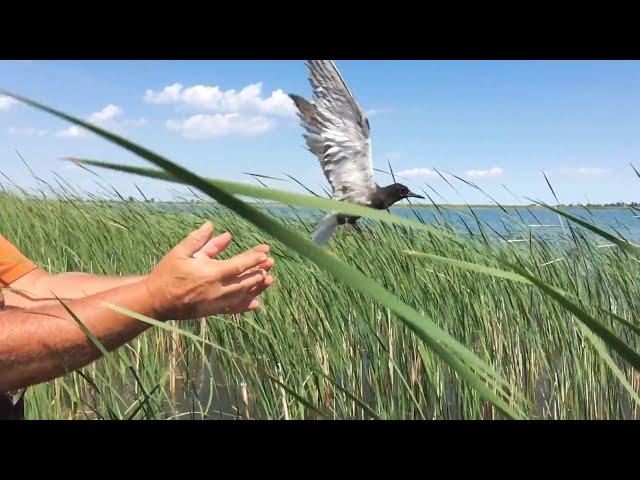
(319, 349)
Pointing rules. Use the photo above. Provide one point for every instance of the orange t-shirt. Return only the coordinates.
(13, 264)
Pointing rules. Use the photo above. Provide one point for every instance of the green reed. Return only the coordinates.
(319, 349)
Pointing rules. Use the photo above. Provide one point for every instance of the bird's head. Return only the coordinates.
(400, 192)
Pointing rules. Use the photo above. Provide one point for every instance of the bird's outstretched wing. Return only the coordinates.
(337, 132)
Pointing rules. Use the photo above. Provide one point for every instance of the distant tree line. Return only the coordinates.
(146, 200)
(616, 204)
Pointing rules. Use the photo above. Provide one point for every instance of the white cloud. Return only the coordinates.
(72, 131)
(374, 112)
(492, 172)
(394, 156)
(6, 102)
(134, 123)
(107, 118)
(591, 171)
(247, 100)
(218, 125)
(170, 94)
(106, 114)
(417, 173)
(26, 132)
(585, 171)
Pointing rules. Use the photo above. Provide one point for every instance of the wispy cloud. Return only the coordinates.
(108, 113)
(101, 118)
(585, 171)
(374, 112)
(72, 131)
(491, 172)
(139, 122)
(418, 173)
(219, 125)
(27, 132)
(107, 118)
(213, 98)
(6, 102)
(394, 156)
(590, 171)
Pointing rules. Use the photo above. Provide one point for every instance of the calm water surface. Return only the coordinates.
(514, 223)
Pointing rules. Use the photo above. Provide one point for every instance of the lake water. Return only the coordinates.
(514, 223)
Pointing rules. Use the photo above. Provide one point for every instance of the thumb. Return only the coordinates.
(196, 239)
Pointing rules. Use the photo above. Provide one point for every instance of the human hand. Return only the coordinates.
(189, 282)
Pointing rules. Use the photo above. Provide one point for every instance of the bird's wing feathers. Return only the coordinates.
(337, 132)
(325, 229)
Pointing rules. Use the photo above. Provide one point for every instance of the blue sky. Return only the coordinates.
(493, 122)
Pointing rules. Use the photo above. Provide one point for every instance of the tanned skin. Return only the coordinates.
(40, 341)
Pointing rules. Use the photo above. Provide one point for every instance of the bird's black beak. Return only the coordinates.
(414, 195)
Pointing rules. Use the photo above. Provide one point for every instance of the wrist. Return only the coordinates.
(154, 299)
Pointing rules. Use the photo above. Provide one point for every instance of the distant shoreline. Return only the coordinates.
(402, 206)
(591, 207)
(479, 206)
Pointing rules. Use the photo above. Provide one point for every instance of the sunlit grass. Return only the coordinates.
(332, 348)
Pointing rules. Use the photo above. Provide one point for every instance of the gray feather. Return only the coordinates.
(325, 229)
(337, 132)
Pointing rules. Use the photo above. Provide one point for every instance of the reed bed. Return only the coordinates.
(319, 349)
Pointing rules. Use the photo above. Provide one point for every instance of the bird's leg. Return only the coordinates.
(353, 226)
(347, 222)
(348, 226)
(363, 233)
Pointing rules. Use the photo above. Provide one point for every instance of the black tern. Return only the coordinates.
(338, 133)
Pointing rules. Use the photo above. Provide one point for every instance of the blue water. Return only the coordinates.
(515, 222)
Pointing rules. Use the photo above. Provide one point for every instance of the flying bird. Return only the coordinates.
(338, 133)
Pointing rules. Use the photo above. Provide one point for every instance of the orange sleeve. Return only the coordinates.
(13, 264)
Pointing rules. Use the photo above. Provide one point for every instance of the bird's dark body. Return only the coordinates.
(382, 199)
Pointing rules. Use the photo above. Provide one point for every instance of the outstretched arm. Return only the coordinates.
(35, 288)
(43, 343)
(40, 343)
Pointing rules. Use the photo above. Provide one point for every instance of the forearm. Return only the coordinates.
(38, 288)
(43, 343)
(77, 285)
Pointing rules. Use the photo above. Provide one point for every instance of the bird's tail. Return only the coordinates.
(325, 229)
